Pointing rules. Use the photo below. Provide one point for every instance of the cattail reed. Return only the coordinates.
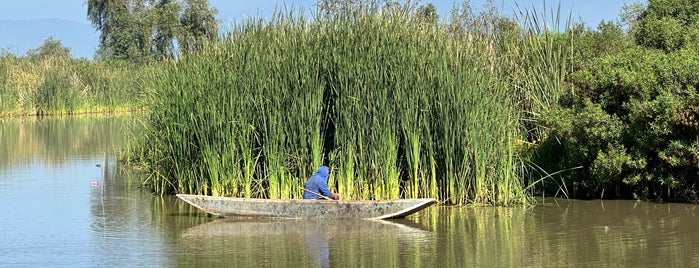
(396, 108)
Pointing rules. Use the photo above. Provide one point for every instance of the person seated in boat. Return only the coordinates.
(317, 185)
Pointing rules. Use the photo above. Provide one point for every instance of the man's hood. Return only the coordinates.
(323, 171)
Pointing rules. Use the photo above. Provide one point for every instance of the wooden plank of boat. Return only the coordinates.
(307, 208)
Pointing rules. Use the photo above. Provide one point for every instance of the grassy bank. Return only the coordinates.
(396, 108)
(61, 86)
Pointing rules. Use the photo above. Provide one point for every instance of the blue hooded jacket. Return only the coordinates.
(318, 183)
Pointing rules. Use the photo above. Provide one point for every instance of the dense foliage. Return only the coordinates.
(142, 30)
(669, 25)
(47, 81)
(476, 108)
(134, 36)
(632, 123)
(395, 106)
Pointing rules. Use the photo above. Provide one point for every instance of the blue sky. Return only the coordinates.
(589, 11)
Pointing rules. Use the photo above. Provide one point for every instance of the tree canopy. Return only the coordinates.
(51, 48)
(141, 30)
(669, 25)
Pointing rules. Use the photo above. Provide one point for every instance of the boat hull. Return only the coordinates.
(307, 208)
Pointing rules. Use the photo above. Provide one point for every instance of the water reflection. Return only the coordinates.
(303, 243)
(53, 215)
(54, 140)
(47, 167)
(568, 233)
(318, 249)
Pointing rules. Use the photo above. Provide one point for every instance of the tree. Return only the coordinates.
(609, 39)
(121, 23)
(428, 14)
(198, 24)
(141, 30)
(166, 29)
(630, 15)
(631, 125)
(49, 49)
(462, 18)
(335, 8)
(486, 22)
(590, 44)
(669, 25)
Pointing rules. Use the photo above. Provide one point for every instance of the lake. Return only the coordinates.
(65, 202)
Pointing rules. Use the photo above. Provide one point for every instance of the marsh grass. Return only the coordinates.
(397, 108)
(60, 86)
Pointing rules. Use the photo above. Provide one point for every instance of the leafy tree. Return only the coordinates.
(117, 21)
(140, 30)
(198, 24)
(487, 21)
(630, 15)
(51, 48)
(633, 123)
(428, 14)
(589, 44)
(335, 8)
(166, 28)
(669, 25)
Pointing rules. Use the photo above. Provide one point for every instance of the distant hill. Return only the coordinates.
(19, 36)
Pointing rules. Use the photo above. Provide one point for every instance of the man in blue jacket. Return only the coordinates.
(318, 183)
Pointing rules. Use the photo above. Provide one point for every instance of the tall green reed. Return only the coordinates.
(252, 120)
(7, 99)
(395, 107)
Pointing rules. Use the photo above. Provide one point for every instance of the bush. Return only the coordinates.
(632, 128)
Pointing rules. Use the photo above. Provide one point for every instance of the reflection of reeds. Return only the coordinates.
(568, 233)
(55, 139)
(396, 108)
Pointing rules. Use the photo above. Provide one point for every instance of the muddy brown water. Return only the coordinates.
(65, 203)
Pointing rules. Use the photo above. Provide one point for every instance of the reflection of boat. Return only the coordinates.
(282, 242)
(306, 208)
(238, 227)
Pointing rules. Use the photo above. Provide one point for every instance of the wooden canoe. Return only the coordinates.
(307, 208)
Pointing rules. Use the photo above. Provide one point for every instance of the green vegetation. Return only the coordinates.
(136, 36)
(144, 30)
(632, 122)
(474, 109)
(396, 106)
(48, 82)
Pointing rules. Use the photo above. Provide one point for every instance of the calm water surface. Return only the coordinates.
(65, 202)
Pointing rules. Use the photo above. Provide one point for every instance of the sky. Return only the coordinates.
(229, 11)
